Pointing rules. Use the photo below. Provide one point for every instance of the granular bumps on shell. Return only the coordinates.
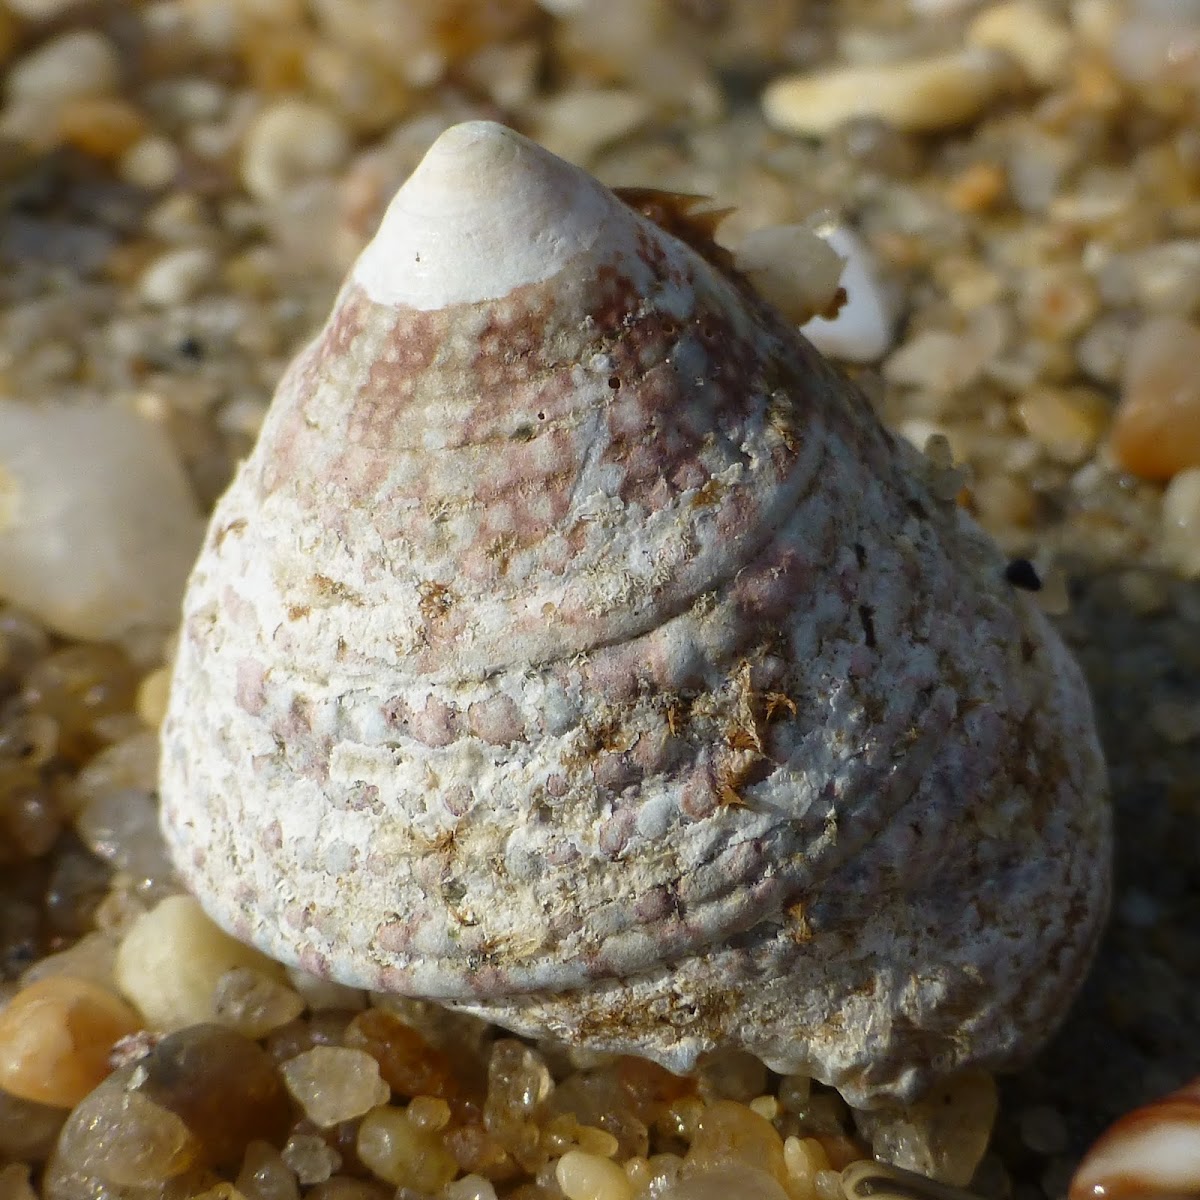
(577, 648)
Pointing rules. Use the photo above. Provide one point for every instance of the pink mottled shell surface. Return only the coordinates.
(576, 647)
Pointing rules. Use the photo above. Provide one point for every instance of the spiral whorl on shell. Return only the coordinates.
(576, 647)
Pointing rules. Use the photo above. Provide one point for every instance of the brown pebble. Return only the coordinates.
(78, 687)
(30, 815)
(345, 1187)
(224, 1088)
(408, 1063)
(101, 126)
(55, 1038)
(1156, 431)
(977, 188)
(28, 1131)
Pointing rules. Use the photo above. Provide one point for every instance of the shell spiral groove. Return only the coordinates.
(576, 647)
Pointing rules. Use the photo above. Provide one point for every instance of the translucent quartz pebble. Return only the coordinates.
(1181, 522)
(265, 1175)
(80, 688)
(721, 1182)
(398, 1151)
(729, 1132)
(311, 1158)
(254, 1003)
(121, 827)
(518, 1082)
(470, 1187)
(98, 526)
(792, 267)
(335, 1083)
(943, 1135)
(122, 1137)
(926, 94)
(129, 763)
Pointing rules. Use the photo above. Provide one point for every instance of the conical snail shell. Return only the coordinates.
(577, 648)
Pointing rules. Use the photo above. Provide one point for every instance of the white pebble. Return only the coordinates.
(576, 123)
(151, 162)
(289, 142)
(172, 958)
(918, 96)
(74, 65)
(1181, 523)
(176, 276)
(470, 1187)
(1039, 41)
(862, 330)
(792, 267)
(98, 526)
(590, 1177)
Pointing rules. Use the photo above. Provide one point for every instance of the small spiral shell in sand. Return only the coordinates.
(1152, 1153)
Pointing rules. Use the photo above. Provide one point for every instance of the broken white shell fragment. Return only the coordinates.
(799, 270)
(917, 96)
(576, 648)
(861, 331)
(791, 268)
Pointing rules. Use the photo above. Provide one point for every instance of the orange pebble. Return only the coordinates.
(977, 188)
(55, 1039)
(101, 126)
(1156, 431)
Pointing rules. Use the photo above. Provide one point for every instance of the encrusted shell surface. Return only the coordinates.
(577, 648)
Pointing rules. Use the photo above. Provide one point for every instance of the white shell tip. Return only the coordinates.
(485, 212)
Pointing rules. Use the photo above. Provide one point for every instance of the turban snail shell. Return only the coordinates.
(576, 648)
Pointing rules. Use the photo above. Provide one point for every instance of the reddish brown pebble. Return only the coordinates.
(408, 1063)
(223, 1087)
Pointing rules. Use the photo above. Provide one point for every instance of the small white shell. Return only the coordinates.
(1152, 1153)
(578, 649)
